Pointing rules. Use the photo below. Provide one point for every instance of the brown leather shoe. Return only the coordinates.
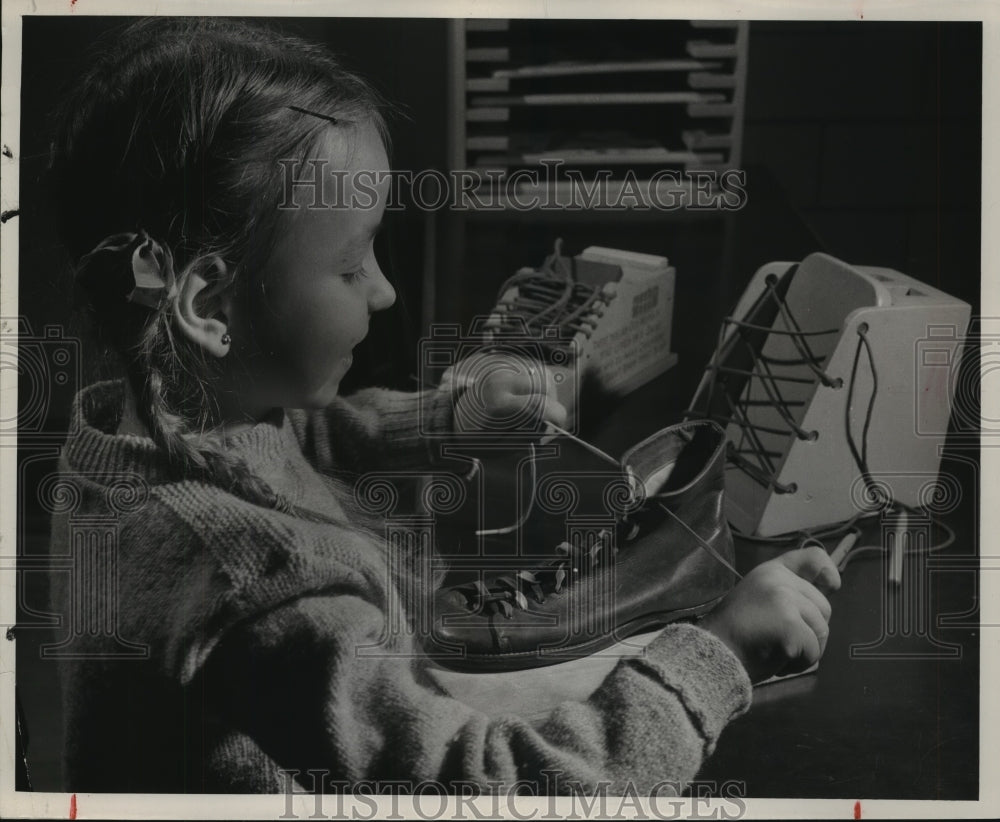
(642, 546)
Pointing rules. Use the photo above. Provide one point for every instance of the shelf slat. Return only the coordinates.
(703, 49)
(487, 84)
(698, 139)
(711, 110)
(487, 115)
(615, 195)
(487, 55)
(490, 142)
(599, 98)
(566, 69)
(704, 79)
(612, 156)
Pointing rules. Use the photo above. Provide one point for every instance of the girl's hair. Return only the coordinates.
(177, 131)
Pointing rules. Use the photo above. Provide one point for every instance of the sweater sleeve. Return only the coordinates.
(375, 429)
(309, 682)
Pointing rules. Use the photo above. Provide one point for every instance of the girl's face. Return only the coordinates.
(322, 281)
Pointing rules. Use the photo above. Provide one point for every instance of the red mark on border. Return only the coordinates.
(72, 799)
(857, 810)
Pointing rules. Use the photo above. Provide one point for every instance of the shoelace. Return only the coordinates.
(507, 594)
(749, 453)
(510, 592)
(549, 297)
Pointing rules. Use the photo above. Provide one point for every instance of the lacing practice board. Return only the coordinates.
(835, 384)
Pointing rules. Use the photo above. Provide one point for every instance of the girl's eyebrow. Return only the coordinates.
(362, 240)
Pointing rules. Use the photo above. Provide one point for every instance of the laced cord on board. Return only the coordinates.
(549, 297)
(749, 452)
(875, 494)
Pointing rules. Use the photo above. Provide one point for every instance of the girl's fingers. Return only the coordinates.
(813, 617)
(521, 386)
(543, 407)
(811, 592)
(554, 411)
(814, 565)
(801, 647)
(522, 378)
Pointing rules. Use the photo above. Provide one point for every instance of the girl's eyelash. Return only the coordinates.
(354, 276)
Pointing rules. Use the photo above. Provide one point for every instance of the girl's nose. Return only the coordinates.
(382, 294)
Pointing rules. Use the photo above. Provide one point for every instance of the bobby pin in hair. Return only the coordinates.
(314, 113)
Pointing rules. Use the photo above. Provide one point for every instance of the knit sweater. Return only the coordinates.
(244, 629)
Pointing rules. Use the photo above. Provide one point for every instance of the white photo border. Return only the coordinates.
(15, 804)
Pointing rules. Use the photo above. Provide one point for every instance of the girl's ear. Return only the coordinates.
(201, 309)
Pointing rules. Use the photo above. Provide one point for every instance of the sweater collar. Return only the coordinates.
(97, 448)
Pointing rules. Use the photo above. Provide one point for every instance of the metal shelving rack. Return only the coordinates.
(633, 97)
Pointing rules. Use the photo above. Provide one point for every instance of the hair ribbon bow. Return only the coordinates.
(152, 281)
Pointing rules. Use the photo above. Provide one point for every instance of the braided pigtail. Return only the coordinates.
(189, 455)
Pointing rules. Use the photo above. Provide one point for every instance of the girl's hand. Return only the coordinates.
(505, 393)
(776, 620)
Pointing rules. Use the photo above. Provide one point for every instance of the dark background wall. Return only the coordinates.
(873, 130)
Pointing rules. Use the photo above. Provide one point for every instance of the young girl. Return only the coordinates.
(243, 569)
